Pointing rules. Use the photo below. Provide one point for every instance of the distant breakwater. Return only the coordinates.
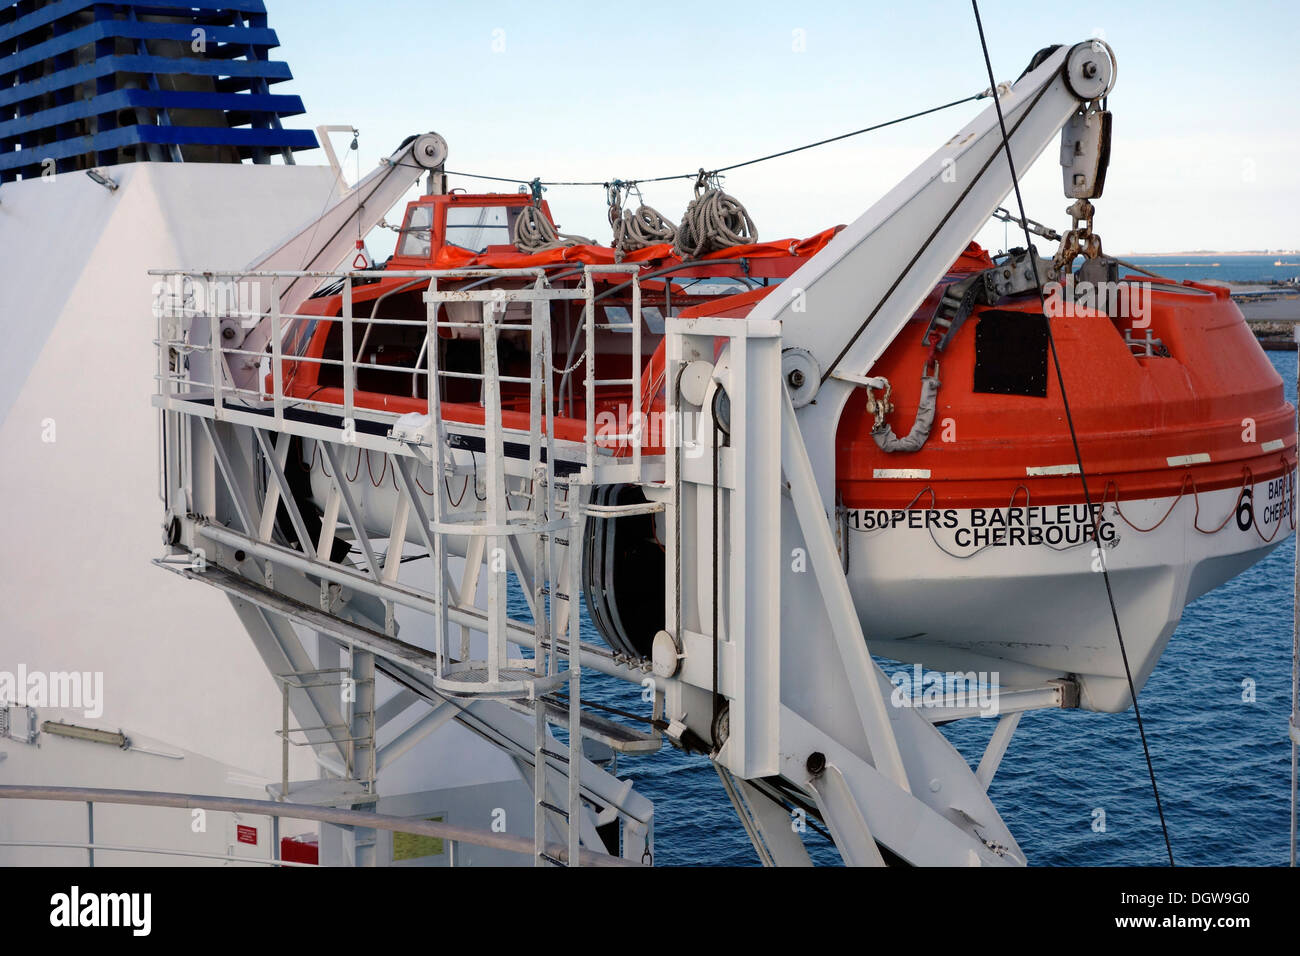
(1274, 336)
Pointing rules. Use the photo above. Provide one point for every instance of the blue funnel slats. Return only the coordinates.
(267, 70)
(238, 105)
(86, 83)
(20, 18)
(130, 136)
(103, 30)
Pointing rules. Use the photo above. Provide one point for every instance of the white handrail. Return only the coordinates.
(353, 818)
(228, 365)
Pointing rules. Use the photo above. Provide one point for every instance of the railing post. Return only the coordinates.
(164, 308)
(214, 345)
(497, 506)
(284, 742)
(589, 315)
(538, 393)
(277, 372)
(635, 416)
(550, 399)
(90, 833)
(349, 367)
(575, 686)
(433, 396)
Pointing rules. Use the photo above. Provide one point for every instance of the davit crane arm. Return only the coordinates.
(847, 304)
(325, 243)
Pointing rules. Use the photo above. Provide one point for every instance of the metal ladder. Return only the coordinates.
(504, 533)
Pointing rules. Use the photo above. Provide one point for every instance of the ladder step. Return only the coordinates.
(553, 808)
(616, 736)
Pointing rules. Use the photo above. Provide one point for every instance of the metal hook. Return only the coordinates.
(706, 181)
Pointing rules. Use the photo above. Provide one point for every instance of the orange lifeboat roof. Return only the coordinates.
(973, 259)
(763, 259)
(454, 257)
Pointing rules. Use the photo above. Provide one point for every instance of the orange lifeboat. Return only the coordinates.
(976, 551)
(972, 547)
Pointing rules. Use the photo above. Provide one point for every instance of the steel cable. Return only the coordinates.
(1074, 438)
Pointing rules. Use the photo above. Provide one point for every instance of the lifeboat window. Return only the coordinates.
(477, 227)
(416, 233)
(299, 336)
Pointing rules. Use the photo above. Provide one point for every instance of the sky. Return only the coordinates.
(1205, 153)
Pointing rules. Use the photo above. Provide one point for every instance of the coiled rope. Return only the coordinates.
(636, 230)
(713, 220)
(533, 232)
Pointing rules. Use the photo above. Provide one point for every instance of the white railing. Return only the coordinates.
(276, 810)
(206, 325)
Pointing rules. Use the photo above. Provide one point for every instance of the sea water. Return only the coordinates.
(1223, 267)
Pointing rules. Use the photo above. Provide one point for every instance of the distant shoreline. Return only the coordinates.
(1208, 255)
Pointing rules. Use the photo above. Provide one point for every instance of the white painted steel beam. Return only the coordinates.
(846, 629)
(848, 302)
(767, 823)
(843, 816)
(996, 749)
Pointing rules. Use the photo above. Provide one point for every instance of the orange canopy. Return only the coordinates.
(453, 257)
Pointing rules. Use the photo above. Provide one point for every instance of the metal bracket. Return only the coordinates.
(18, 723)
